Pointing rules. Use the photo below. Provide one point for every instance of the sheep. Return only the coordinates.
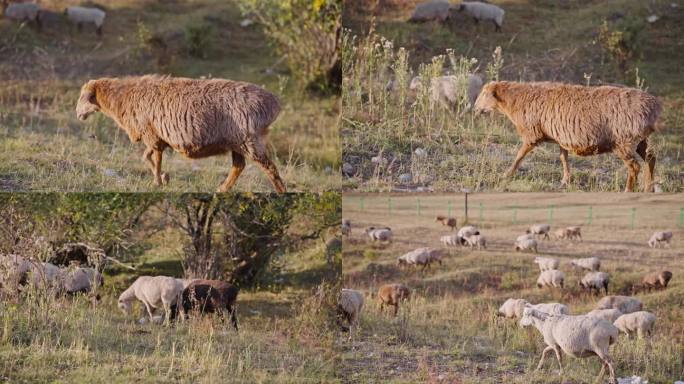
(539, 229)
(24, 12)
(14, 271)
(595, 280)
(551, 278)
(577, 336)
(525, 236)
(154, 292)
(624, 304)
(660, 237)
(478, 241)
(640, 322)
(84, 15)
(82, 279)
(551, 308)
(432, 10)
(606, 314)
(379, 234)
(582, 119)
(393, 295)
(482, 11)
(561, 233)
(447, 221)
(657, 280)
(464, 232)
(450, 240)
(435, 256)
(349, 308)
(346, 227)
(196, 117)
(525, 244)
(574, 232)
(588, 263)
(420, 256)
(46, 276)
(209, 296)
(186, 282)
(512, 308)
(546, 263)
(447, 90)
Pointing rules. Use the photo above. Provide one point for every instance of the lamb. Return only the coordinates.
(657, 280)
(346, 227)
(447, 221)
(437, 10)
(606, 314)
(577, 336)
(447, 90)
(546, 263)
(420, 256)
(349, 308)
(551, 278)
(512, 308)
(624, 304)
(196, 117)
(588, 263)
(209, 296)
(595, 280)
(380, 234)
(551, 308)
(393, 295)
(478, 241)
(660, 237)
(24, 12)
(640, 322)
(539, 229)
(85, 15)
(582, 119)
(154, 292)
(482, 11)
(561, 233)
(82, 279)
(525, 244)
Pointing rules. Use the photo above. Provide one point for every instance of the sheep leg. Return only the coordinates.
(154, 158)
(543, 356)
(650, 159)
(566, 168)
(606, 362)
(235, 171)
(559, 357)
(396, 309)
(632, 168)
(233, 318)
(257, 152)
(522, 152)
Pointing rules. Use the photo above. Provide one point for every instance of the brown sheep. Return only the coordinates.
(447, 221)
(581, 119)
(209, 296)
(657, 280)
(198, 118)
(392, 295)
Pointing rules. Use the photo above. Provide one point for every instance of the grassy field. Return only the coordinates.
(45, 148)
(449, 332)
(541, 41)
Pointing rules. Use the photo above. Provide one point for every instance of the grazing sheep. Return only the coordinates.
(482, 11)
(595, 280)
(512, 308)
(435, 256)
(46, 276)
(546, 263)
(606, 314)
(660, 237)
(464, 232)
(525, 244)
(574, 232)
(349, 308)
(478, 241)
(154, 292)
(82, 279)
(380, 234)
(24, 12)
(437, 10)
(584, 120)
(523, 237)
(551, 278)
(561, 233)
(210, 296)
(392, 295)
(577, 336)
(657, 280)
(346, 227)
(447, 221)
(447, 90)
(640, 322)
(551, 308)
(196, 117)
(624, 304)
(539, 229)
(84, 15)
(588, 263)
(14, 271)
(450, 240)
(420, 256)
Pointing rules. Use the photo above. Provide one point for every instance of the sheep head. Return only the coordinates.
(530, 315)
(125, 306)
(87, 102)
(488, 100)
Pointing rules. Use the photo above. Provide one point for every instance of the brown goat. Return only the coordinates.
(209, 296)
(584, 120)
(392, 295)
(447, 221)
(198, 118)
(657, 280)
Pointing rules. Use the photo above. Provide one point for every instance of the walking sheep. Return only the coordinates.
(211, 296)
(349, 308)
(512, 308)
(392, 295)
(482, 11)
(581, 119)
(154, 292)
(447, 90)
(450, 240)
(640, 322)
(540, 230)
(624, 304)
(546, 263)
(551, 278)
(577, 336)
(85, 15)
(525, 244)
(587, 263)
(660, 237)
(198, 118)
(606, 314)
(657, 280)
(437, 10)
(595, 280)
(379, 234)
(24, 12)
(420, 256)
(447, 221)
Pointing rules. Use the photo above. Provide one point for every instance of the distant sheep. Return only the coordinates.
(640, 322)
(419, 256)
(46, 276)
(479, 241)
(595, 280)
(349, 308)
(450, 240)
(625, 304)
(660, 237)
(551, 308)
(379, 234)
(464, 232)
(82, 279)
(574, 232)
(85, 15)
(657, 280)
(586, 120)
(392, 295)
(539, 230)
(14, 271)
(211, 296)
(485, 12)
(551, 278)
(587, 263)
(546, 263)
(437, 10)
(512, 308)
(196, 117)
(154, 292)
(526, 244)
(346, 227)
(447, 90)
(24, 12)
(609, 315)
(447, 221)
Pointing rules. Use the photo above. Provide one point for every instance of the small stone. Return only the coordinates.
(652, 19)
(420, 152)
(246, 23)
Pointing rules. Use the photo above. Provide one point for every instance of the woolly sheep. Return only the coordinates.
(551, 308)
(588, 263)
(660, 237)
(640, 322)
(46, 276)
(464, 232)
(447, 90)
(24, 12)
(379, 234)
(512, 308)
(447, 221)
(14, 271)
(525, 236)
(435, 256)
(657, 280)
(420, 256)
(478, 241)
(82, 279)
(606, 314)
(349, 308)
(525, 244)
(574, 232)
(595, 280)
(84, 15)
(211, 296)
(196, 117)
(624, 304)
(582, 119)
(450, 240)
(577, 336)
(154, 292)
(437, 10)
(546, 263)
(346, 227)
(482, 11)
(551, 278)
(392, 295)
(539, 229)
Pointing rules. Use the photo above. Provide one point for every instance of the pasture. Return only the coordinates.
(449, 332)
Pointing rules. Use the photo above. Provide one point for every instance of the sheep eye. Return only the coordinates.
(92, 98)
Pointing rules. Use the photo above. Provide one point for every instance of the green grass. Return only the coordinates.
(44, 147)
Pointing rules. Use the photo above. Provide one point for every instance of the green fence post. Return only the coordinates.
(480, 217)
(591, 216)
(633, 216)
(681, 218)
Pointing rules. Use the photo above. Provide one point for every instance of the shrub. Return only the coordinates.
(198, 39)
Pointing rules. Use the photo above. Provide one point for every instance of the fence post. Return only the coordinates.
(551, 214)
(591, 216)
(681, 218)
(633, 216)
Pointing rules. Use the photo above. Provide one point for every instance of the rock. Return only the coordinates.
(246, 23)
(420, 152)
(347, 169)
(652, 19)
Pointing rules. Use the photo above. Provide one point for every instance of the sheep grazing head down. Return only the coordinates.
(487, 101)
(125, 307)
(87, 102)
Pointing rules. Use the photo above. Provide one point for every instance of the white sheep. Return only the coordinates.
(561, 233)
(588, 263)
(660, 237)
(546, 263)
(449, 240)
(640, 322)
(539, 229)
(14, 270)
(84, 15)
(447, 90)
(606, 314)
(551, 278)
(464, 232)
(524, 237)
(379, 234)
(512, 308)
(625, 304)
(420, 256)
(551, 308)
(525, 244)
(478, 241)
(81, 279)
(577, 336)
(432, 10)
(346, 227)
(23, 12)
(595, 280)
(350, 307)
(482, 11)
(154, 292)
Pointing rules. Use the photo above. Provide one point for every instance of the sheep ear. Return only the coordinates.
(496, 95)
